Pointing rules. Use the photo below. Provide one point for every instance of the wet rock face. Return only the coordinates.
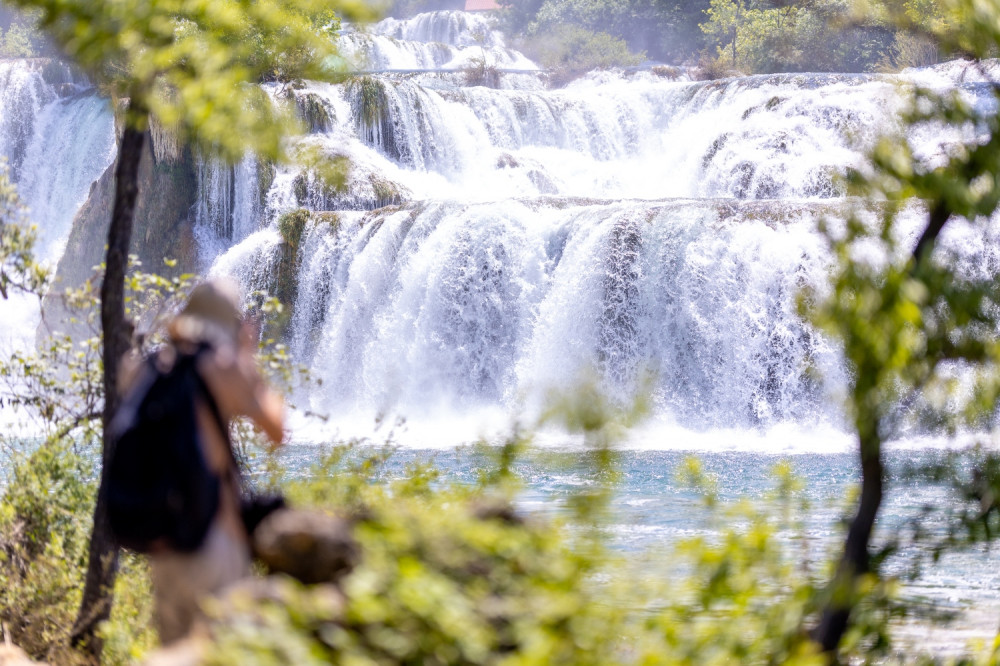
(310, 546)
(162, 226)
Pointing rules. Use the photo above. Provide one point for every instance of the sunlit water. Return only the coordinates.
(652, 509)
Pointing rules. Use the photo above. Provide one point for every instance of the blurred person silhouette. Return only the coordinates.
(175, 489)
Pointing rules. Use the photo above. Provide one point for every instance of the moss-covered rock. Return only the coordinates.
(329, 218)
(291, 227)
(265, 178)
(387, 193)
(372, 114)
(315, 112)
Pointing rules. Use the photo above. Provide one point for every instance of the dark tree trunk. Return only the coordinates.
(103, 560)
(855, 560)
(938, 218)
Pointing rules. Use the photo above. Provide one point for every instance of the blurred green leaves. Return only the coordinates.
(19, 271)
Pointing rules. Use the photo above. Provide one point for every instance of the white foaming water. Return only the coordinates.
(72, 145)
(58, 138)
(228, 207)
(444, 27)
(622, 227)
(444, 40)
(24, 93)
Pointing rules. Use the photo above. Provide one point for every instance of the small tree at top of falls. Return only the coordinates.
(913, 320)
(194, 65)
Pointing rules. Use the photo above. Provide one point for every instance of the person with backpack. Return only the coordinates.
(175, 491)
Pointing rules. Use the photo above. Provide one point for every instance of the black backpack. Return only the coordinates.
(159, 486)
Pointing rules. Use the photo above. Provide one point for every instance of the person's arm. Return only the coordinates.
(239, 390)
(270, 413)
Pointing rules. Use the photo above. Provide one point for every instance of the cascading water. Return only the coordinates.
(444, 40)
(57, 135)
(229, 205)
(627, 226)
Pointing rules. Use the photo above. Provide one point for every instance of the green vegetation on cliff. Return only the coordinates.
(748, 36)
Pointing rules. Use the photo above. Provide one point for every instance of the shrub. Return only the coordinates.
(481, 73)
(911, 50)
(291, 225)
(571, 51)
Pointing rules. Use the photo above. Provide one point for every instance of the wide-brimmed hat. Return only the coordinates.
(212, 314)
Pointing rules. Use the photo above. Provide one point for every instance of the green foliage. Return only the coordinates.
(18, 269)
(453, 574)
(129, 634)
(760, 36)
(571, 51)
(743, 597)
(919, 25)
(45, 522)
(19, 41)
(906, 319)
(192, 64)
(370, 106)
(752, 36)
(43, 545)
(291, 225)
(283, 57)
(665, 29)
(910, 322)
(481, 72)
(57, 387)
(517, 16)
(910, 50)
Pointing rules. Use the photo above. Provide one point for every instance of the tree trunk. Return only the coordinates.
(855, 560)
(736, 30)
(102, 565)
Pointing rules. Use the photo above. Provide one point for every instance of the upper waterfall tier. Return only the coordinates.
(57, 135)
(445, 27)
(637, 136)
(445, 40)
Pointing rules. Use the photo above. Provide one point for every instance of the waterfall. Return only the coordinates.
(229, 205)
(493, 245)
(57, 136)
(472, 305)
(444, 27)
(24, 93)
(72, 145)
(445, 40)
